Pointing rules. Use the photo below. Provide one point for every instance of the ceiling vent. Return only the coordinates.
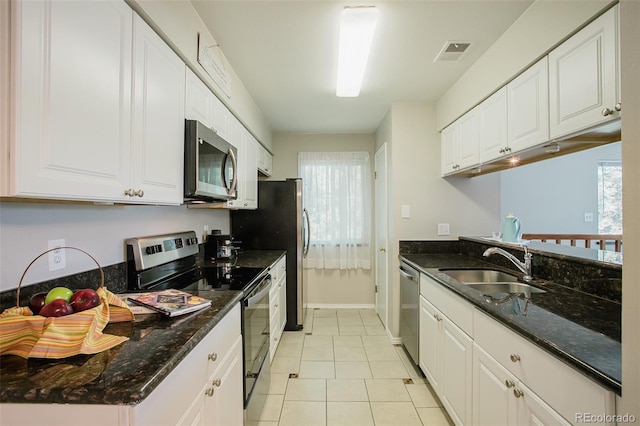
(452, 51)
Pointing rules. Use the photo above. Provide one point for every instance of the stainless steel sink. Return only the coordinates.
(502, 287)
(479, 275)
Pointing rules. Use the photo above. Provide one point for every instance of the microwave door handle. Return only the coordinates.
(231, 188)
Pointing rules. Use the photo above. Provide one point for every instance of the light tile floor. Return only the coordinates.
(342, 370)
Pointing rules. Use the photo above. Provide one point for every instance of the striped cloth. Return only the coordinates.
(35, 336)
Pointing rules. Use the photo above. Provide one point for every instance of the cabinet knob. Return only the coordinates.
(509, 383)
(209, 392)
(246, 204)
(216, 383)
(501, 150)
(213, 356)
(139, 193)
(129, 192)
(382, 249)
(275, 306)
(518, 393)
(507, 149)
(607, 111)
(515, 358)
(619, 106)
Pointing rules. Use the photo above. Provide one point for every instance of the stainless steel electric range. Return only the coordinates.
(173, 261)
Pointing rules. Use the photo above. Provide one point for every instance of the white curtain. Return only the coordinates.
(337, 195)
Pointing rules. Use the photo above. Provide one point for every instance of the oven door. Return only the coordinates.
(209, 164)
(256, 345)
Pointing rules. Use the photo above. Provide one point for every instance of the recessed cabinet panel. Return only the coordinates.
(468, 139)
(158, 118)
(528, 107)
(198, 103)
(448, 148)
(583, 78)
(492, 118)
(72, 80)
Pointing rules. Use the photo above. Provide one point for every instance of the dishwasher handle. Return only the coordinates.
(409, 276)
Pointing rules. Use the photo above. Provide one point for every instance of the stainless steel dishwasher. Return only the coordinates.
(409, 309)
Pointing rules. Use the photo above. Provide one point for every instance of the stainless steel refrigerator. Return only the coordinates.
(279, 223)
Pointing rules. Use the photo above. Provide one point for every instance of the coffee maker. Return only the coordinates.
(220, 247)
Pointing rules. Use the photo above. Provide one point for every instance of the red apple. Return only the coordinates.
(84, 299)
(36, 302)
(56, 308)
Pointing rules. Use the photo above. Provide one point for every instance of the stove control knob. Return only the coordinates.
(150, 250)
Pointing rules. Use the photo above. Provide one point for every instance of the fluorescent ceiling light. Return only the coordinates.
(357, 25)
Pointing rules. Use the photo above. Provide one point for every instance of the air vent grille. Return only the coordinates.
(452, 51)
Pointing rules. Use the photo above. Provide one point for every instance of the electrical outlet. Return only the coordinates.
(588, 217)
(443, 229)
(57, 258)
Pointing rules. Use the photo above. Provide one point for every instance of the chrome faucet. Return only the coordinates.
(525, 266)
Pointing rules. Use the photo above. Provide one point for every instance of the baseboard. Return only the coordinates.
(339, 306)
(393, 340)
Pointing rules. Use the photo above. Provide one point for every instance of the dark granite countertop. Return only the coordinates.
(580, 329)
(129, 372)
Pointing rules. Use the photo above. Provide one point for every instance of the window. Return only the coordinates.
(610, 197)
(337, 195)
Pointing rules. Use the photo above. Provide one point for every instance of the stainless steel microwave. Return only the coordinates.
(210, 165)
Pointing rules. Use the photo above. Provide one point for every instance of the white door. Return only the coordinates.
(382, 257)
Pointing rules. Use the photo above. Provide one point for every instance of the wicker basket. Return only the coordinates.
(33, 336)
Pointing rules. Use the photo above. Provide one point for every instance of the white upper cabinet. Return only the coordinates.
(247, 172)
(72, 83)
(459, 144)
(265, 161)
(96, 106)
(492, 126)
(583, 78)
(158, 118)
(203, 105)
(528, 108)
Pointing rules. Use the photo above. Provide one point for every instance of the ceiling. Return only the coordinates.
(285, 54)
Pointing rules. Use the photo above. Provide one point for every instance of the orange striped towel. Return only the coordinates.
(34, 336)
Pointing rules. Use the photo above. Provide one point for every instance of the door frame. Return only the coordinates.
(380, 159)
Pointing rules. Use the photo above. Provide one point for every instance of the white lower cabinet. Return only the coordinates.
(446, 360)
(486, 374)
(499, 398)
(277, 304)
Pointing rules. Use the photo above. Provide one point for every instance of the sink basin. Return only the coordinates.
(505, 287)
(479, 275)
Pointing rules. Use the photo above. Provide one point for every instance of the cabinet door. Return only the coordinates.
(430, 342)
(457, 368)
(448, 141)
(198, 100)
(583, 77)
(492, 127)
(468, 149)
(158, 120)
(72, 103)
(534, 411)
(528, 107)
(247, 173)
(283, 301)
(493, 399)
(224, 398)
(221, 117)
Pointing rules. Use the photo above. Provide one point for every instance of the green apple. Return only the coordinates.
(58, 293)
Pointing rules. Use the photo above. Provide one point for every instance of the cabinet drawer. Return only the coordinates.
(220, 340)
(279, 270)
(563, 388)
(456, 309)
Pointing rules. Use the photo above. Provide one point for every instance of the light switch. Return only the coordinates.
(588, 217)
(406, 211)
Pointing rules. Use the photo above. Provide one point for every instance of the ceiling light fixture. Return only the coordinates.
(357, 25)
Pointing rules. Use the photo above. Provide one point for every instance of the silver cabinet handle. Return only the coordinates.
(209, 392)
(139, 193)
(213, 356)
(129, 192)
(509, 383)
(216, 383)
(518, 393)
(607, 111)
(619, 106)
(407, 276)
(515, 358)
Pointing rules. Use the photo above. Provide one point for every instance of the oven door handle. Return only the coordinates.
(255, 298)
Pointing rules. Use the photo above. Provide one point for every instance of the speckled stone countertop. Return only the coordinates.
(129, 372)
(580, 329)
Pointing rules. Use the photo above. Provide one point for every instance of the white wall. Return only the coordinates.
(630, 64)
(98, 230)
(327, 287)
(469, 206)
(179, 24)
(552, 196)
(541, 27)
